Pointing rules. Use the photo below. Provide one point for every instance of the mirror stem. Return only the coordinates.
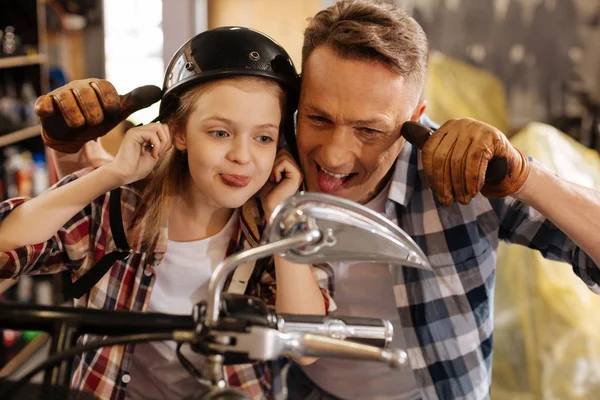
(227, 266)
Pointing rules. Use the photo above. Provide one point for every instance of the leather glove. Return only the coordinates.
(466, 156)
(85, 110)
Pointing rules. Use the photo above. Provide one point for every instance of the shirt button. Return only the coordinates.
(125, 378)
(148, 271)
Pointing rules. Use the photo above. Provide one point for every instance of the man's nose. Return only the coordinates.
(336, 149)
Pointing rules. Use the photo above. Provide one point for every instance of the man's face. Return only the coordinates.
(349, 119)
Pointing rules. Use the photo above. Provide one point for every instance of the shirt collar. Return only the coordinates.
(407, 166)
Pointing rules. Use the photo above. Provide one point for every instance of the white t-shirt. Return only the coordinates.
(365, 290)
(181, 282)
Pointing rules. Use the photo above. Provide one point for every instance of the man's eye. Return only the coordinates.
(370, 131)
(219, 134)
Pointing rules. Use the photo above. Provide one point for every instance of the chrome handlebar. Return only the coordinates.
(260, 343)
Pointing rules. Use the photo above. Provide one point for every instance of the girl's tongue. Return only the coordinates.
(328, 183)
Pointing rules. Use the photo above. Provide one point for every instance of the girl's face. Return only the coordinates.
(231, 140)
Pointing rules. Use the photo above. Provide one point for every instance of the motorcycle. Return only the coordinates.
(226, 329)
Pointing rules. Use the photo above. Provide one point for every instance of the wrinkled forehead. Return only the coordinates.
(359, 87)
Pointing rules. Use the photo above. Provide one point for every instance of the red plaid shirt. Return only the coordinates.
(84, 240)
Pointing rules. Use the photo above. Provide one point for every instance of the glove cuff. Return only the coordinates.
(519, 167)
(63, 147)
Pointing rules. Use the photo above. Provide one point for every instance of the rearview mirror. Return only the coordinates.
(311, 228)
(350, 232)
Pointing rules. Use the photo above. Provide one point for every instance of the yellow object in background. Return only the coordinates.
(547, 322)
(454, 89)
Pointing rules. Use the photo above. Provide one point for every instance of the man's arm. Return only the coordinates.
(92, 154)
(572, 208)
(456, 158)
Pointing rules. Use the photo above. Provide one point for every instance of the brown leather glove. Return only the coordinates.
(466, 156)
(85, 110)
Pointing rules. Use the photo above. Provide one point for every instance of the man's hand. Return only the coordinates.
(85, 110)
(456, 159)
(92, 154)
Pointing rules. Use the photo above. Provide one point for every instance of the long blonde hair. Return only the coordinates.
(171, 174)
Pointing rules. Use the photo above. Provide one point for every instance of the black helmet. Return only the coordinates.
(227, 52)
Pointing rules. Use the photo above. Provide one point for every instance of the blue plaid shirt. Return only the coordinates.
(447, 313)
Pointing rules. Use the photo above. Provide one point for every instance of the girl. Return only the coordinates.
(178, 186)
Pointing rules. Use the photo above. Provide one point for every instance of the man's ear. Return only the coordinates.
(419, 110)
(179, 140)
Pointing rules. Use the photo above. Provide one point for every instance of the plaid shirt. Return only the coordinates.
(82, 242)
(447, 313)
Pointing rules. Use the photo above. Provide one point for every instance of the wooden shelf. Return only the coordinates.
(19, 61)
(36, 346)
(24, 355)
(19, 135)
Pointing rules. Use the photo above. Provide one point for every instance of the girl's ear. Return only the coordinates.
(179, 140)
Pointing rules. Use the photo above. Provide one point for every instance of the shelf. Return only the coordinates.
(24, 355)
(6, 284)
(19, 61)
(19, 135)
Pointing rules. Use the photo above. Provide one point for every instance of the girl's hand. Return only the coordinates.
(140, 150)
(283, 183)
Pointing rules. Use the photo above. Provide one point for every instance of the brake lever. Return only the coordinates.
(260, 343)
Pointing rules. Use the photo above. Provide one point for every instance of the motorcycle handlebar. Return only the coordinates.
(21, 316)
(254, 341)
(373, 331)
(262, 343)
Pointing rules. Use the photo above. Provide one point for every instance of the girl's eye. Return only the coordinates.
(264, 139)
(219, 134)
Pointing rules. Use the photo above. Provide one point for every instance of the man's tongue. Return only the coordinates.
(328, 183)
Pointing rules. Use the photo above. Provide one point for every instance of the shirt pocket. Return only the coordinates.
(469, 256)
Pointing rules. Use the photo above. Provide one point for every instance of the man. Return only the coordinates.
(363, 70)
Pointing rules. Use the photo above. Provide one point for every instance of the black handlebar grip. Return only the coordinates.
(139, 98)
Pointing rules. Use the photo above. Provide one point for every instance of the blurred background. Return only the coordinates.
(529, 67)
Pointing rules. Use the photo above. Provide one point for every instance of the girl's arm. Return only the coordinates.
(37, 220)
(297, 289)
